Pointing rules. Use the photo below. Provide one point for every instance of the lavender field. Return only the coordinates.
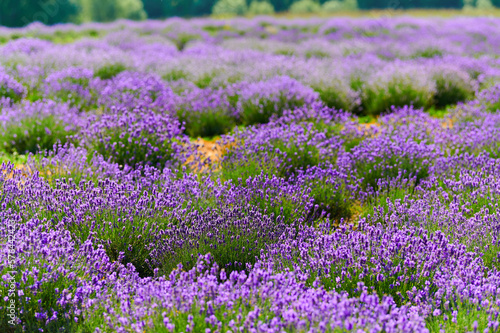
(251, 175)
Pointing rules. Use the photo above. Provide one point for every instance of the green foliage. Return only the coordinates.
(261, 8)
(182, 39)
(305, 7)
(154, 8)
(109, 71)
(208, 123)
(230, 7)
(371, 172)
(332, 6)
(13, 158)
(452, 87)
(331, 199)
(467, 315)
(204, 80)
(65, 36)
(33, 134)
(175, 75)
(296, 157)
(131, 237)
(240, 248)
(339, 5)
(316, 54)
(484, 4)
(397, 191)
(238, 171)
(281, 5)
(378, 98)
(405, 4)
(185, 8)
(15, 13)
(259, 112)
(109, 10)
(335, 97)
(19, 13)
(281, 158)
(9, 93)
(430, 52)
(70, 93)
(438, 113)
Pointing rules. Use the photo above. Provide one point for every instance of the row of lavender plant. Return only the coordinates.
(348, 63)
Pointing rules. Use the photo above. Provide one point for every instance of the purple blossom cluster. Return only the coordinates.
(347, 178)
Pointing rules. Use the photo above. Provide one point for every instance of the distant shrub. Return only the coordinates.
(206, 113)
(175, 75)
(132, 90)
(258, 102)
(337, 94)
(429, 52)
(109, 10)
(181, 40)
(261, 8)
(338, 5)
(305, 6)
(207, 123)
(398, 87)
(230, 7)
(332, 6)
(109, 71)
(484, 4)
(452, 86)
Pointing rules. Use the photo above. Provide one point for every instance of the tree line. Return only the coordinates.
(16, 13)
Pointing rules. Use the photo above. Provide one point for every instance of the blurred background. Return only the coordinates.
(18, 13)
